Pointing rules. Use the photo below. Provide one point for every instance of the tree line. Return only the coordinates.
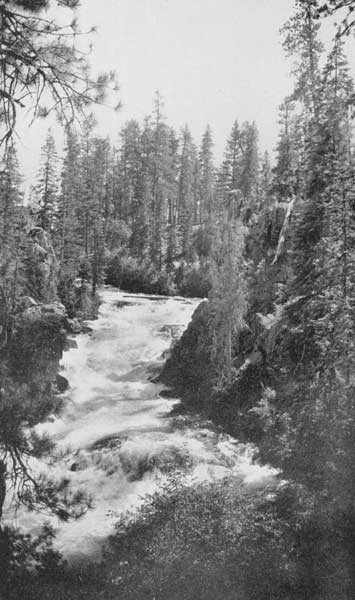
(142, 215)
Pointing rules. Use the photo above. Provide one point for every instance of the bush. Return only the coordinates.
(193, 280)
(78, 298)
(23, 559)
(212, 541)
(133, 276)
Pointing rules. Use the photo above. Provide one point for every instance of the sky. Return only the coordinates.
(213, 61)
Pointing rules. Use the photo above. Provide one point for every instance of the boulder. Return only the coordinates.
(69, 344)
(74, 325)
(51, 312)
(172, 330)
(54, 308)
(62, 383)
(38, 338)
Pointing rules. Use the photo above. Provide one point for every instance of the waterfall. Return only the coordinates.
(114, 437)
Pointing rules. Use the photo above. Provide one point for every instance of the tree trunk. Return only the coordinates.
(2, 486)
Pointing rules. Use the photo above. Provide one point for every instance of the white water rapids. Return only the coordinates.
(114, 436)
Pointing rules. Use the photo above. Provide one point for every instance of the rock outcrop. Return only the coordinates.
(37, 339)
(41, 266)
(190, 369)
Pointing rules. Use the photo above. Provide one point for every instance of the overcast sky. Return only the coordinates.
(213, 61)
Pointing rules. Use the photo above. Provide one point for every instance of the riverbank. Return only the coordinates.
(114, 437)
(178, 508)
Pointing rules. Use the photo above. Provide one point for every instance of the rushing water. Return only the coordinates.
(115, 437)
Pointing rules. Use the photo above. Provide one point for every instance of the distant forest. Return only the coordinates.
(142, 216)
(268, 358)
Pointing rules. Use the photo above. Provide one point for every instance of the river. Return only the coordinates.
(115, 436)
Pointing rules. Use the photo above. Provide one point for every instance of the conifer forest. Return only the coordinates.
(177, 331)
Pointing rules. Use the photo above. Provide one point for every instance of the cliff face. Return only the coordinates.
(189, 369)
(30, 352)
(257, 364)
(192, 373)
(37, 342)
(41, 266)
(38, 327)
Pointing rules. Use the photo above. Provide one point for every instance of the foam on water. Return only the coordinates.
(113, 437)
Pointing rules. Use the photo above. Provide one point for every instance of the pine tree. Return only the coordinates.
(11, 196)
(204, 204)
(161, 162)
(41, 66)
(289, 169)
(66, 223)
(228, 295)
(46, 189)
(99, 210)
(185, 198)
(302, 42)
(85, 209)
(129, 172)
(265, 182)
(239, 173)
(249, 168)
(12, 232)
(229, 174)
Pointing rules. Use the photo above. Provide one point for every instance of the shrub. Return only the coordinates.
(133, 276)
(212, 541)
(193, 280)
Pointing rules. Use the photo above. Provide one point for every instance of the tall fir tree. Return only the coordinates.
(161, 164)
(12, 231)
(66, 223)
(46, 188)
(228, 295)
(186, 191)
(204, 204)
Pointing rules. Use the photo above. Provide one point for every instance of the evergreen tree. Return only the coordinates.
(42, 66)
(204, 204)
(46, 188)
(239, 173)
(228, 295)
(302, 42)
(249, 168)
(289, 168)
(12, 231)
(229, 174)
(265, 182)
(129, 172)
(85, 209)
(66, 224)
(99, 210)
(161, 164)
(185, 199)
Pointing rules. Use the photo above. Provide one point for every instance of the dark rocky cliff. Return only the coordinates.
(257, 363)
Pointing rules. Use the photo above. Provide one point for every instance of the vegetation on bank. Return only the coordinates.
(288, 384)
(269, 357)
(212, 541)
